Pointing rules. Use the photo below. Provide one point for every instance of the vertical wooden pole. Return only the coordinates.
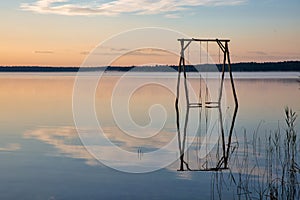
(231, 77)
(222, 78)
(185, 81)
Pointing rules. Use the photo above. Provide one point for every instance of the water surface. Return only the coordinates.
(42, 156)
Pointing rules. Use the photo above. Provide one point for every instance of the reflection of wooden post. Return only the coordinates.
(226, 157)
(223, 136)
(226, 150)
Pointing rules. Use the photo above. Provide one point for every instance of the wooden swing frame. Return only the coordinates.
(223, 45)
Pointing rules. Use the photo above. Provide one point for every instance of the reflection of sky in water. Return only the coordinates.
(42, 157)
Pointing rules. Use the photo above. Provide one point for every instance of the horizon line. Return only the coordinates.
(158, 65)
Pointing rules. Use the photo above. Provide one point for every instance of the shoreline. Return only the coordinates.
(287, 66)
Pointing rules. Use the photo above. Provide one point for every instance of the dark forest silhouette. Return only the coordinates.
(288, 66)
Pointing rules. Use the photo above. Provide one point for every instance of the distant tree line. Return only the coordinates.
(287, 66)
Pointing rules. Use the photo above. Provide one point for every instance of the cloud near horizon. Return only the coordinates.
(117, 7)
(43, 52)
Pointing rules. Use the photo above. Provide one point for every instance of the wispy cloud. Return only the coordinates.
(149, 52)
(44, 52)
(116, 7)
(10, 147)
(261, 53)
(67, 142)
(172, 16)
(85, 53)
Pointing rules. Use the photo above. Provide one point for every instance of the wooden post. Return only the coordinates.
(231, 77)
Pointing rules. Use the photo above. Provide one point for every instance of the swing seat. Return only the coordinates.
(195, 105)
(212, 104)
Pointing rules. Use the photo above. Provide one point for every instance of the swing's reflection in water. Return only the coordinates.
(211, 147)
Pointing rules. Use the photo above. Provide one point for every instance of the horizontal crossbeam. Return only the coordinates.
(204, 40)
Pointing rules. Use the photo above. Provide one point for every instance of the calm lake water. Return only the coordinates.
(42, 156)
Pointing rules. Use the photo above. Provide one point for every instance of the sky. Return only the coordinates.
(63, 32)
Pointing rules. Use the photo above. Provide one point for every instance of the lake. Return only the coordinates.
(42, 154)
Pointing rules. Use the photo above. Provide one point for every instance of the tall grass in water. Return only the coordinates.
(264, 171)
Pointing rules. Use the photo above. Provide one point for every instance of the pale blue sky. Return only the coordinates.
(259, 30)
